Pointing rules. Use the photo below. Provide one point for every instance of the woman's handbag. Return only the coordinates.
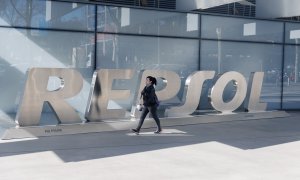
(139, 107)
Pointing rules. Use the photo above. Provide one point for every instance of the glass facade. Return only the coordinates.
(229, 28)
(140, 53)
(88, 37)
(291, 72)
(47, 14)
(147, 22)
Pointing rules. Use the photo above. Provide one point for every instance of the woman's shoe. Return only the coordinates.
(158, 131)
(135, 131)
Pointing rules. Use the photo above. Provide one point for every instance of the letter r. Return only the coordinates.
(36, 93)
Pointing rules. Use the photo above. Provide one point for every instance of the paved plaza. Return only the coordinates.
(260, 149)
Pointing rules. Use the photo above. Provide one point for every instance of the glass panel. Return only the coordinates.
(291, 76)
(216, 27)
(292, 33)
(246, 58)
(32, 48)
(131, 52)
(138, 21)
(47, 14)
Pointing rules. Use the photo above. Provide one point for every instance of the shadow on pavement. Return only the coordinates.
(244, 135)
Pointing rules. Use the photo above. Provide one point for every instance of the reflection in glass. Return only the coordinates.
(246, 58)
(138, 21)
(133, 52)
(217, 27)
(40, 49)
(47, 14)
(291, 75)
(292, 33)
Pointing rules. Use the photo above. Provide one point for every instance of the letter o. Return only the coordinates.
(216, 94)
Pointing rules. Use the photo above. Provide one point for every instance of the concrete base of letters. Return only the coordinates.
(127, 124)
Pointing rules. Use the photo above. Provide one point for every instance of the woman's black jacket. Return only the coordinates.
(149, 96)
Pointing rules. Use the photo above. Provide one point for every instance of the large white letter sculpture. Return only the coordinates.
(217, 90)
(36, 93)
(101, 92)
(252, 103)
(192, 93)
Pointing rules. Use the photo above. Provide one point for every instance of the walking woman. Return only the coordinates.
(150, 103)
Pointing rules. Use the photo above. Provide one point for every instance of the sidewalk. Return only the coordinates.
(264, 149)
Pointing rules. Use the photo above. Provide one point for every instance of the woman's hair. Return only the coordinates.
(152, 79)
